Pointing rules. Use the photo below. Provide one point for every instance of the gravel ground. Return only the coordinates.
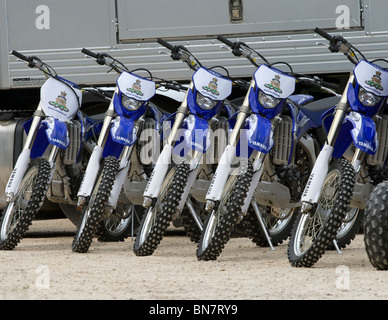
(43, 267)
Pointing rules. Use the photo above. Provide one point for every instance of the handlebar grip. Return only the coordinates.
(19, 55)
(89, 53)
(225, 40)
(323, 34)
(329, 85)
(165, 44)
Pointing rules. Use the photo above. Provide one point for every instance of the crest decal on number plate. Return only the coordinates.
(372, 78)
(60, 102)
(136, 87)
(212, 84)
(274, 82)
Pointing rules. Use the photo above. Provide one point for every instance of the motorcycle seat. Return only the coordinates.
(315, 109)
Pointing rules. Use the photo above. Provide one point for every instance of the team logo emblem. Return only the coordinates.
(136, 88)
(60, 102)
(212, 87)
(375, 81)
(275, 84)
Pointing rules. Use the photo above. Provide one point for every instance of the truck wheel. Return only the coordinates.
(376, 227)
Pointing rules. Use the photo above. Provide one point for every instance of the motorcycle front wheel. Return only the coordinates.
(376, 227)
(313, 233)
(159, 216)
(18, 214)
(349, 228)
(94, 211)
(220, 223)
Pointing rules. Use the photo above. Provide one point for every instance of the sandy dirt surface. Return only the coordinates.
(44, 267)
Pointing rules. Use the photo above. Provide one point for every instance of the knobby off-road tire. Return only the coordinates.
(18, 215)
(313, 233)
(220, 223)
(279, 228)
(95, 209)
(158, 218)
(349, 227)
(376, 227)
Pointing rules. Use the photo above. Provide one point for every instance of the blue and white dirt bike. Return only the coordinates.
(54, 155)
(350, 163)
(111, 191)
(271, 150)
(168, 191)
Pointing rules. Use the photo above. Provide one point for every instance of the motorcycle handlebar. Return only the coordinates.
(89, 53)
(329, 85)
(225, 41)
(19, 55)
(323, 34)
(165, 44)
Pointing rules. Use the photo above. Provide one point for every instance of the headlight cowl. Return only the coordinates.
(267, 101)
(368, 99)
(205, 103)
(130, 103)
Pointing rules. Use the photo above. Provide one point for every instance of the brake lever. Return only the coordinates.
(322, 44)
(164, 52)
(225, 48)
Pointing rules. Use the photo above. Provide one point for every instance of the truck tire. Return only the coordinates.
(376, 227)
(18, 214)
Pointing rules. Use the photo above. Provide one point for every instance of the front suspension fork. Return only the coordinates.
(21, 164)
(313, 188)
(162, 164)
(224, 166)
(94, 163)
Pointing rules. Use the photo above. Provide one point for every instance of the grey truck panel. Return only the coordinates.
(139, 19)
(127, 29)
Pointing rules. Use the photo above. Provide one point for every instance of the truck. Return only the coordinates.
(56, 31)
